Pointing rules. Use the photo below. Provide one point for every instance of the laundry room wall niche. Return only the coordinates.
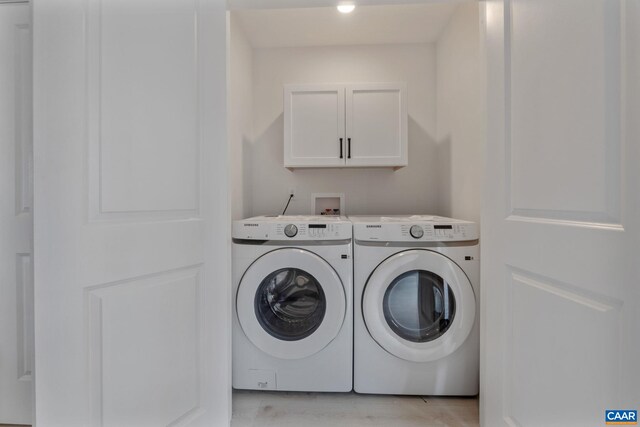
(382, 55)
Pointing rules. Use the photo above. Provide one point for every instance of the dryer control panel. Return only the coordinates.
(440, 229)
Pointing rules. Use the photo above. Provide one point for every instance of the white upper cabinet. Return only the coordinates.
(376, 120)
(314, 125)
(333, 125)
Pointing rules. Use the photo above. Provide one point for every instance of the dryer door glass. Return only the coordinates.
(419, 306)
(290, 304)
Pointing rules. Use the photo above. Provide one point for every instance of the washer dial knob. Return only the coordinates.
(416, 231)
(290, 230)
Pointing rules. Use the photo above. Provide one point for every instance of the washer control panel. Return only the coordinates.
(292, 230)
(308, 231)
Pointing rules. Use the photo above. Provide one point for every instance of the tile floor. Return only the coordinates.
(283, 409)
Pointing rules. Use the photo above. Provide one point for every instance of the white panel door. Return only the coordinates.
(314, 125)
(132, 281)
(561, 216)
(16, 219)
(377, 125)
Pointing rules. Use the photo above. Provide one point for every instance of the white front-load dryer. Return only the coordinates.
(292, 307)
(416, 290)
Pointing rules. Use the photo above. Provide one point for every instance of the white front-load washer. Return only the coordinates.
(416, 290)
(292, 306)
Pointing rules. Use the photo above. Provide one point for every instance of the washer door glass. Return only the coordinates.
(290, 304)
(419, 306)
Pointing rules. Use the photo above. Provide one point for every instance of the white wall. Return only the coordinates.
(412, 189)
(459, 120)
(240, 101)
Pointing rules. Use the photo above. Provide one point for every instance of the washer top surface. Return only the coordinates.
(412, 228)
(293, 227)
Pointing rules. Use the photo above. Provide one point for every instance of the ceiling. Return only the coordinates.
(325, 26)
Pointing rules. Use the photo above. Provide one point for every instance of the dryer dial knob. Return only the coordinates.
(416, 231)
(290, 230)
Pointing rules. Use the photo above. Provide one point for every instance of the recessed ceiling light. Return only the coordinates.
(346, 8)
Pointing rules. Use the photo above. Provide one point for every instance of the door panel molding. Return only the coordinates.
(573, 293)
(542, 217)
(521, 200)
(23, 132)
(107, 306)
(592, 318)
(24, 293)
(110, 199)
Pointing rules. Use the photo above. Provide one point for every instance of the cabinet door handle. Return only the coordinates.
(348, 148)
(341, 148)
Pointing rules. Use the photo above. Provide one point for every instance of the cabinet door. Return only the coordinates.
(314, 126)
(376, 125)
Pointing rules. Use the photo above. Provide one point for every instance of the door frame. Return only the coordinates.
(294, 4)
